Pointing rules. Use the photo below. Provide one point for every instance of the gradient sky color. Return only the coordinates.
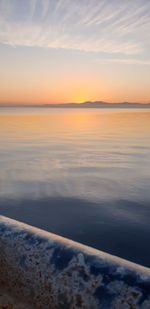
(74, 50)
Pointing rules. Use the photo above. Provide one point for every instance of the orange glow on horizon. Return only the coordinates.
(41, 91)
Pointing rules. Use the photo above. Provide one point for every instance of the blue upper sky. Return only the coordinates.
(105, 26)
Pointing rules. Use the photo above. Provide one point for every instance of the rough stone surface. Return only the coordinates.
(42, 270)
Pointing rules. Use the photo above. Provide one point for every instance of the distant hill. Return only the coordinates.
(98, 104)
(88, 104)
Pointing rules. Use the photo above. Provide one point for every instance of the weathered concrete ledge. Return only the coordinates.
(42, 270)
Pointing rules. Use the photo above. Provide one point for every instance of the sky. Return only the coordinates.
(54, 51)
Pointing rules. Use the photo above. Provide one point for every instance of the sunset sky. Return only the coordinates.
(54, 51)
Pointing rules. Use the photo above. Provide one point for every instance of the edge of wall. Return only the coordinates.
(39, 269)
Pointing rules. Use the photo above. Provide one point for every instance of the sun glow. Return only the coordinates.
(80, 96)
(80, 99)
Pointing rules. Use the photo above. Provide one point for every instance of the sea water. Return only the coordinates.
(80, 173)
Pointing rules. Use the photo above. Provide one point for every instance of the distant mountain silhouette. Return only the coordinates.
(88, 104)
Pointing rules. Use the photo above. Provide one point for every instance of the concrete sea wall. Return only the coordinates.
(42, 270)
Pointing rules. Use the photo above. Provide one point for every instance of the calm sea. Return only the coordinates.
(80, 173)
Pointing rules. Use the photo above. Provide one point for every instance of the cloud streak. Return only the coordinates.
(133, 61)
(89, 25)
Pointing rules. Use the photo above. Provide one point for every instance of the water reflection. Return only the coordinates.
(93, 154)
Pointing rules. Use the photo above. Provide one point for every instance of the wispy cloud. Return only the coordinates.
(133, 61)
(114, 26)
